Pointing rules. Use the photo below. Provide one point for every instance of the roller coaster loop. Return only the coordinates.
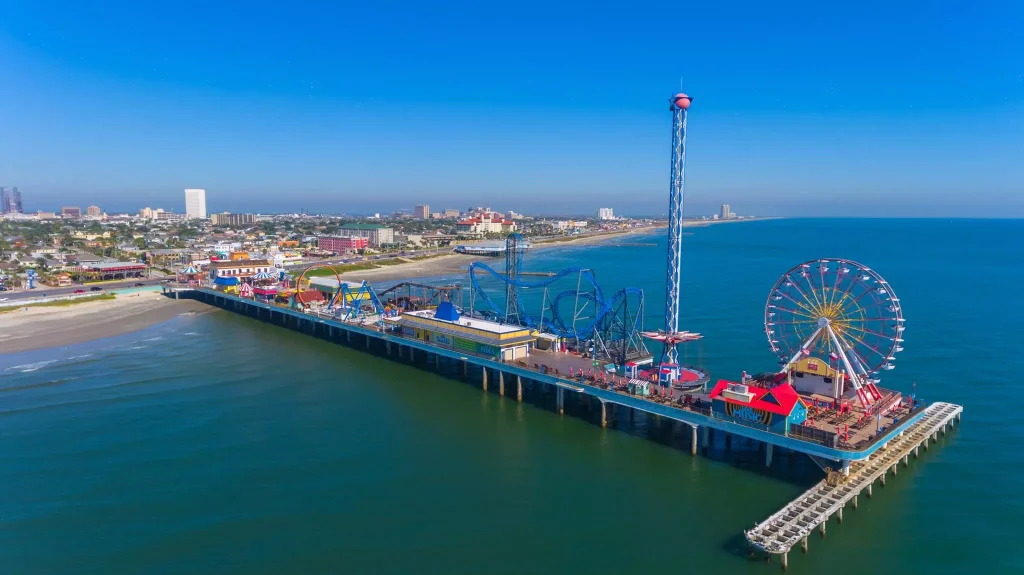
(605, 310)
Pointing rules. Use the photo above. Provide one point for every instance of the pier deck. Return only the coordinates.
(313, 323)
(863, 464)
(791, 525)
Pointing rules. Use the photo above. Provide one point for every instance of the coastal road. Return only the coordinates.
(39, 291)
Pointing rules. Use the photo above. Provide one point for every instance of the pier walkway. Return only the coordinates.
(812, 510)
(858, 467)
(367, 335)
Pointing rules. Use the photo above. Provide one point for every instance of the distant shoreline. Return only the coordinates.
(700, 223)
(452, 264)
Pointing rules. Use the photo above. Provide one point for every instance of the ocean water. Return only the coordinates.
(217, 444)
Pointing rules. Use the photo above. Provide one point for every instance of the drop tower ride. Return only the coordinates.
(672, 336)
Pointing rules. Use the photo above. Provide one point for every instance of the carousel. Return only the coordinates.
(264, 287)
(189, 275)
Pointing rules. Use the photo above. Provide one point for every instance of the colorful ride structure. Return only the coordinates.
(345, 302)
(672, 336)
(607, 328)
(838, 321)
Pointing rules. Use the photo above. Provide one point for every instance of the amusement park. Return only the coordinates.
(833, 327)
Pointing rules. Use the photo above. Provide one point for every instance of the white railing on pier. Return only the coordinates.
(783, 530)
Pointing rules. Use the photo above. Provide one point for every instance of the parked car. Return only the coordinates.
(79, 291)
(95, 288)
(139, 284)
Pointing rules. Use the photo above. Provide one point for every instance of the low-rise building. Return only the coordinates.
(342, 245)
(571, 225)
(485, 223)
(241, 268)
(445, 328)
(377, 234)
(227, 219)
(108, 270)
(169, 217)
(775, 409)
(84, 235)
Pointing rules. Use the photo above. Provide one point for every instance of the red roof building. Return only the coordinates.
(485, 223)
(759, 404)
(309, 296)
(780, 399)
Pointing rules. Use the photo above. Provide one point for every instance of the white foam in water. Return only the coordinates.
(157, 338)
(31, 366)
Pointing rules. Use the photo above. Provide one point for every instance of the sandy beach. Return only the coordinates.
(458, 263)
(30, 328)
(455, 264)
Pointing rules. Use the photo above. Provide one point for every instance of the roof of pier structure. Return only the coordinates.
(780, 399)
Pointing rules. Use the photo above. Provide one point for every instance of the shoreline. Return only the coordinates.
(451, 264)
(43, 327)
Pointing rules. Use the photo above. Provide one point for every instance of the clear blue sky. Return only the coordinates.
(801, 108)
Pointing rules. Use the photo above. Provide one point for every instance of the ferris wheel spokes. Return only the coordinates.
(840, 309)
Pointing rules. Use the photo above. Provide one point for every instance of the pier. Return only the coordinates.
(835, 325)
(794, 523)
(860, 465)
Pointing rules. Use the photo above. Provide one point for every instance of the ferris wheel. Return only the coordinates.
(838, 311)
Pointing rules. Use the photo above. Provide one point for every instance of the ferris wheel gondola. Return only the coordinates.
(840, 310)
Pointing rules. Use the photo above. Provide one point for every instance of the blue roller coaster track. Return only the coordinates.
(606, 311)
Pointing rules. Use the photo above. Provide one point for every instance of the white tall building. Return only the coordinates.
(195, 204)
(727, 212)
(605, 214)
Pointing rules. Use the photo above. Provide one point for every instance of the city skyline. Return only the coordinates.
(923, 124)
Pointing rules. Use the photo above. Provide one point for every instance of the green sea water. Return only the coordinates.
(218, 444)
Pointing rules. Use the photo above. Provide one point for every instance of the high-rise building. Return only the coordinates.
(421, 212)
(93, 211)
(10, 201)
(146, 213)
(605, 214)
(70, 212)
(726, 212)
(195, 204)
(450, 213)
